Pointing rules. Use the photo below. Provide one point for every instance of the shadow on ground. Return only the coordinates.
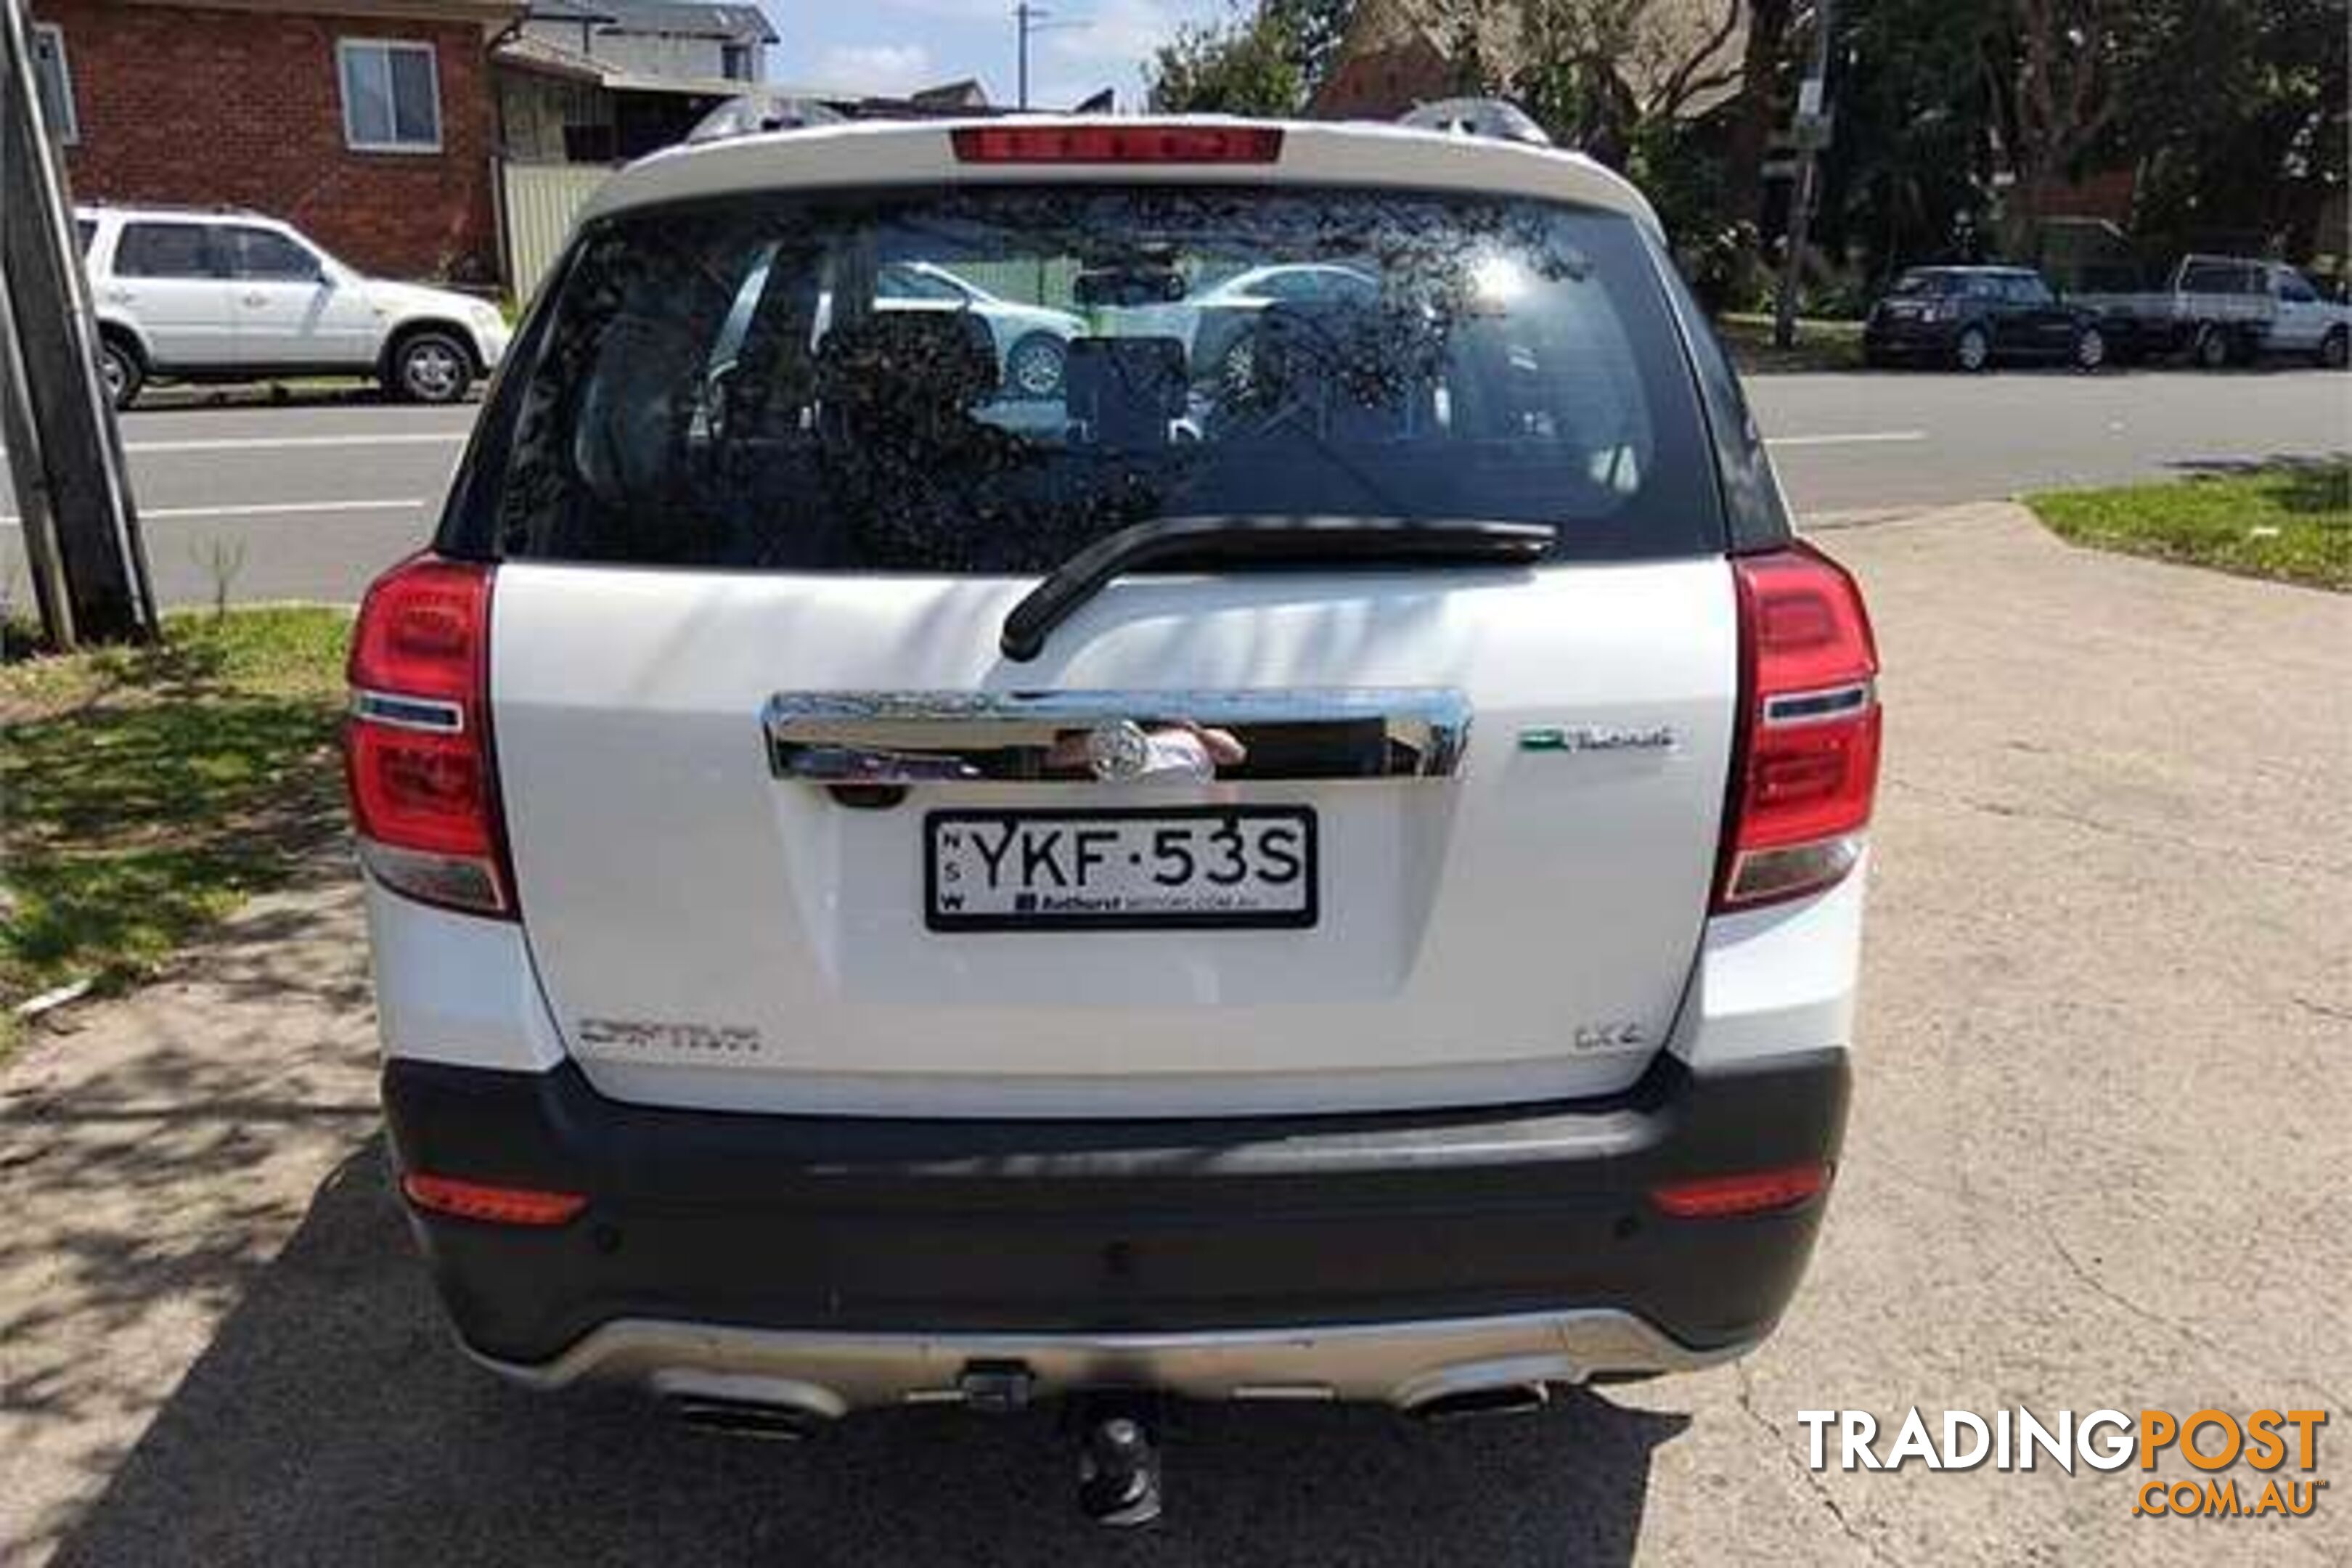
(331, 1420)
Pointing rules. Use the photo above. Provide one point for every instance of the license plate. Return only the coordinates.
(1183, 867)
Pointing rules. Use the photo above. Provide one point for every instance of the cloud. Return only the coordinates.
(1109, 46)
(984, 11)
(1114, 34)
(875, 67)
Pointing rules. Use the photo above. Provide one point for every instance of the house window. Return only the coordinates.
(735, 61)
(53, 81)
(391, 96)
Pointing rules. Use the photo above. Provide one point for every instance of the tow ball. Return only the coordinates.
(1119, 1461)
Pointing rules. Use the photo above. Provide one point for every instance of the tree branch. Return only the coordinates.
(1681, 86)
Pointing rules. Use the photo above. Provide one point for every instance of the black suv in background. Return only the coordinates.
(1973, 317)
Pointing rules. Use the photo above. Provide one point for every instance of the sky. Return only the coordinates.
(895, 45)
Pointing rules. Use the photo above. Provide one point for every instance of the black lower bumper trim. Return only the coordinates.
(1042, 1227)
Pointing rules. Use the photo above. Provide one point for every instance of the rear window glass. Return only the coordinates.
(163, 250)
(985, 381)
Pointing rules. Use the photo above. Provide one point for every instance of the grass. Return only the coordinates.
(149, 792)
(2289, 522)
(1820, 345)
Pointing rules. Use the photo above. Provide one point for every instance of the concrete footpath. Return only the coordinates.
(2099, 1159)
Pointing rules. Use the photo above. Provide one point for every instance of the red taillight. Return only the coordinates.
(416, 748)
(490, 1205)
(1808, 751)
(1750, 1191)
(1142, 143)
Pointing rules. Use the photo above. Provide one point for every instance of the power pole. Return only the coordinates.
(1812, 133)
(1028, 20)
(1025, 17)
(65, 451)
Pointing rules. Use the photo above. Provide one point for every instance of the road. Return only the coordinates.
(310, 501)
(2096, 1161)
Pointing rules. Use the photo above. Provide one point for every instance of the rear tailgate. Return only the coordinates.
(724, 478)
(710, 933)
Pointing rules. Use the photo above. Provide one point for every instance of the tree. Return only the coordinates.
(1245, 66)
(1604, 74)
(2231, 115)
(1908, 177)
(2056, 82)
(1760, 111)
(1313, 32)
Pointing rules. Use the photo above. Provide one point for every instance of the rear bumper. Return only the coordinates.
(1408, 1364)
(1360, 1256)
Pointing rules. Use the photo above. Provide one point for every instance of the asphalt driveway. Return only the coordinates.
(2099, 1159)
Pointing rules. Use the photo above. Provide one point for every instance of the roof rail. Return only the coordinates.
(173, 209)
(1495, 117)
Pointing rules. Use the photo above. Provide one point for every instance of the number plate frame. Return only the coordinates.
(1305, 916)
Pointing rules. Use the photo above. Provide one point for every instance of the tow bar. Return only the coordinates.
(1118, 1440)
(1119, 1461)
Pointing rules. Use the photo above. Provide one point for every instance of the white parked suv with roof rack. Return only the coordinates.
(187, 294)
(1339, 881)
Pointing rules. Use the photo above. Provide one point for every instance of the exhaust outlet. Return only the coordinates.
(746, 1418)
(1496, 1399)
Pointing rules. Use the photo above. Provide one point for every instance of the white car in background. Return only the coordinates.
(1215, 325)
(196, 295)
(1031, 340)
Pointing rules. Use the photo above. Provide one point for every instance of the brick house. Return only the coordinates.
(371, 124)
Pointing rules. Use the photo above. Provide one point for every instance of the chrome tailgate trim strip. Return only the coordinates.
(1060, 737)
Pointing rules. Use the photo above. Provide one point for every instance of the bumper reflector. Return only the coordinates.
(1751, 1192)
(492, 1206)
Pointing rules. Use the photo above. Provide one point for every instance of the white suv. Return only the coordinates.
(1341, 882)
(229, 296)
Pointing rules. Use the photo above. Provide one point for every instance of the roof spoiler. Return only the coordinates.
(1497, 118)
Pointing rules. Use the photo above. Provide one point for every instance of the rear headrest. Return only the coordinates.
(1110, 377)
(1346, 359)
(932, 358)
(1363, 350)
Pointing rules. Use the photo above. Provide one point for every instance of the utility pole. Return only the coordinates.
(65, 451)
(1027, 20)
(1025, 17)
(1811, 130)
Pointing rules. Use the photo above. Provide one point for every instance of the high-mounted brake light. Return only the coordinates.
(490, 1205)
(1807, 764)
(416, 747)
(1137, 143)
(1750, 1191)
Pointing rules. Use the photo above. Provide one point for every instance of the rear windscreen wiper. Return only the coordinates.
(1280, 539)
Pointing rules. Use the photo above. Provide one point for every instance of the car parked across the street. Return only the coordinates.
(1343, 882)
(2222, 310)
(1973, 318)
(214, 296)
